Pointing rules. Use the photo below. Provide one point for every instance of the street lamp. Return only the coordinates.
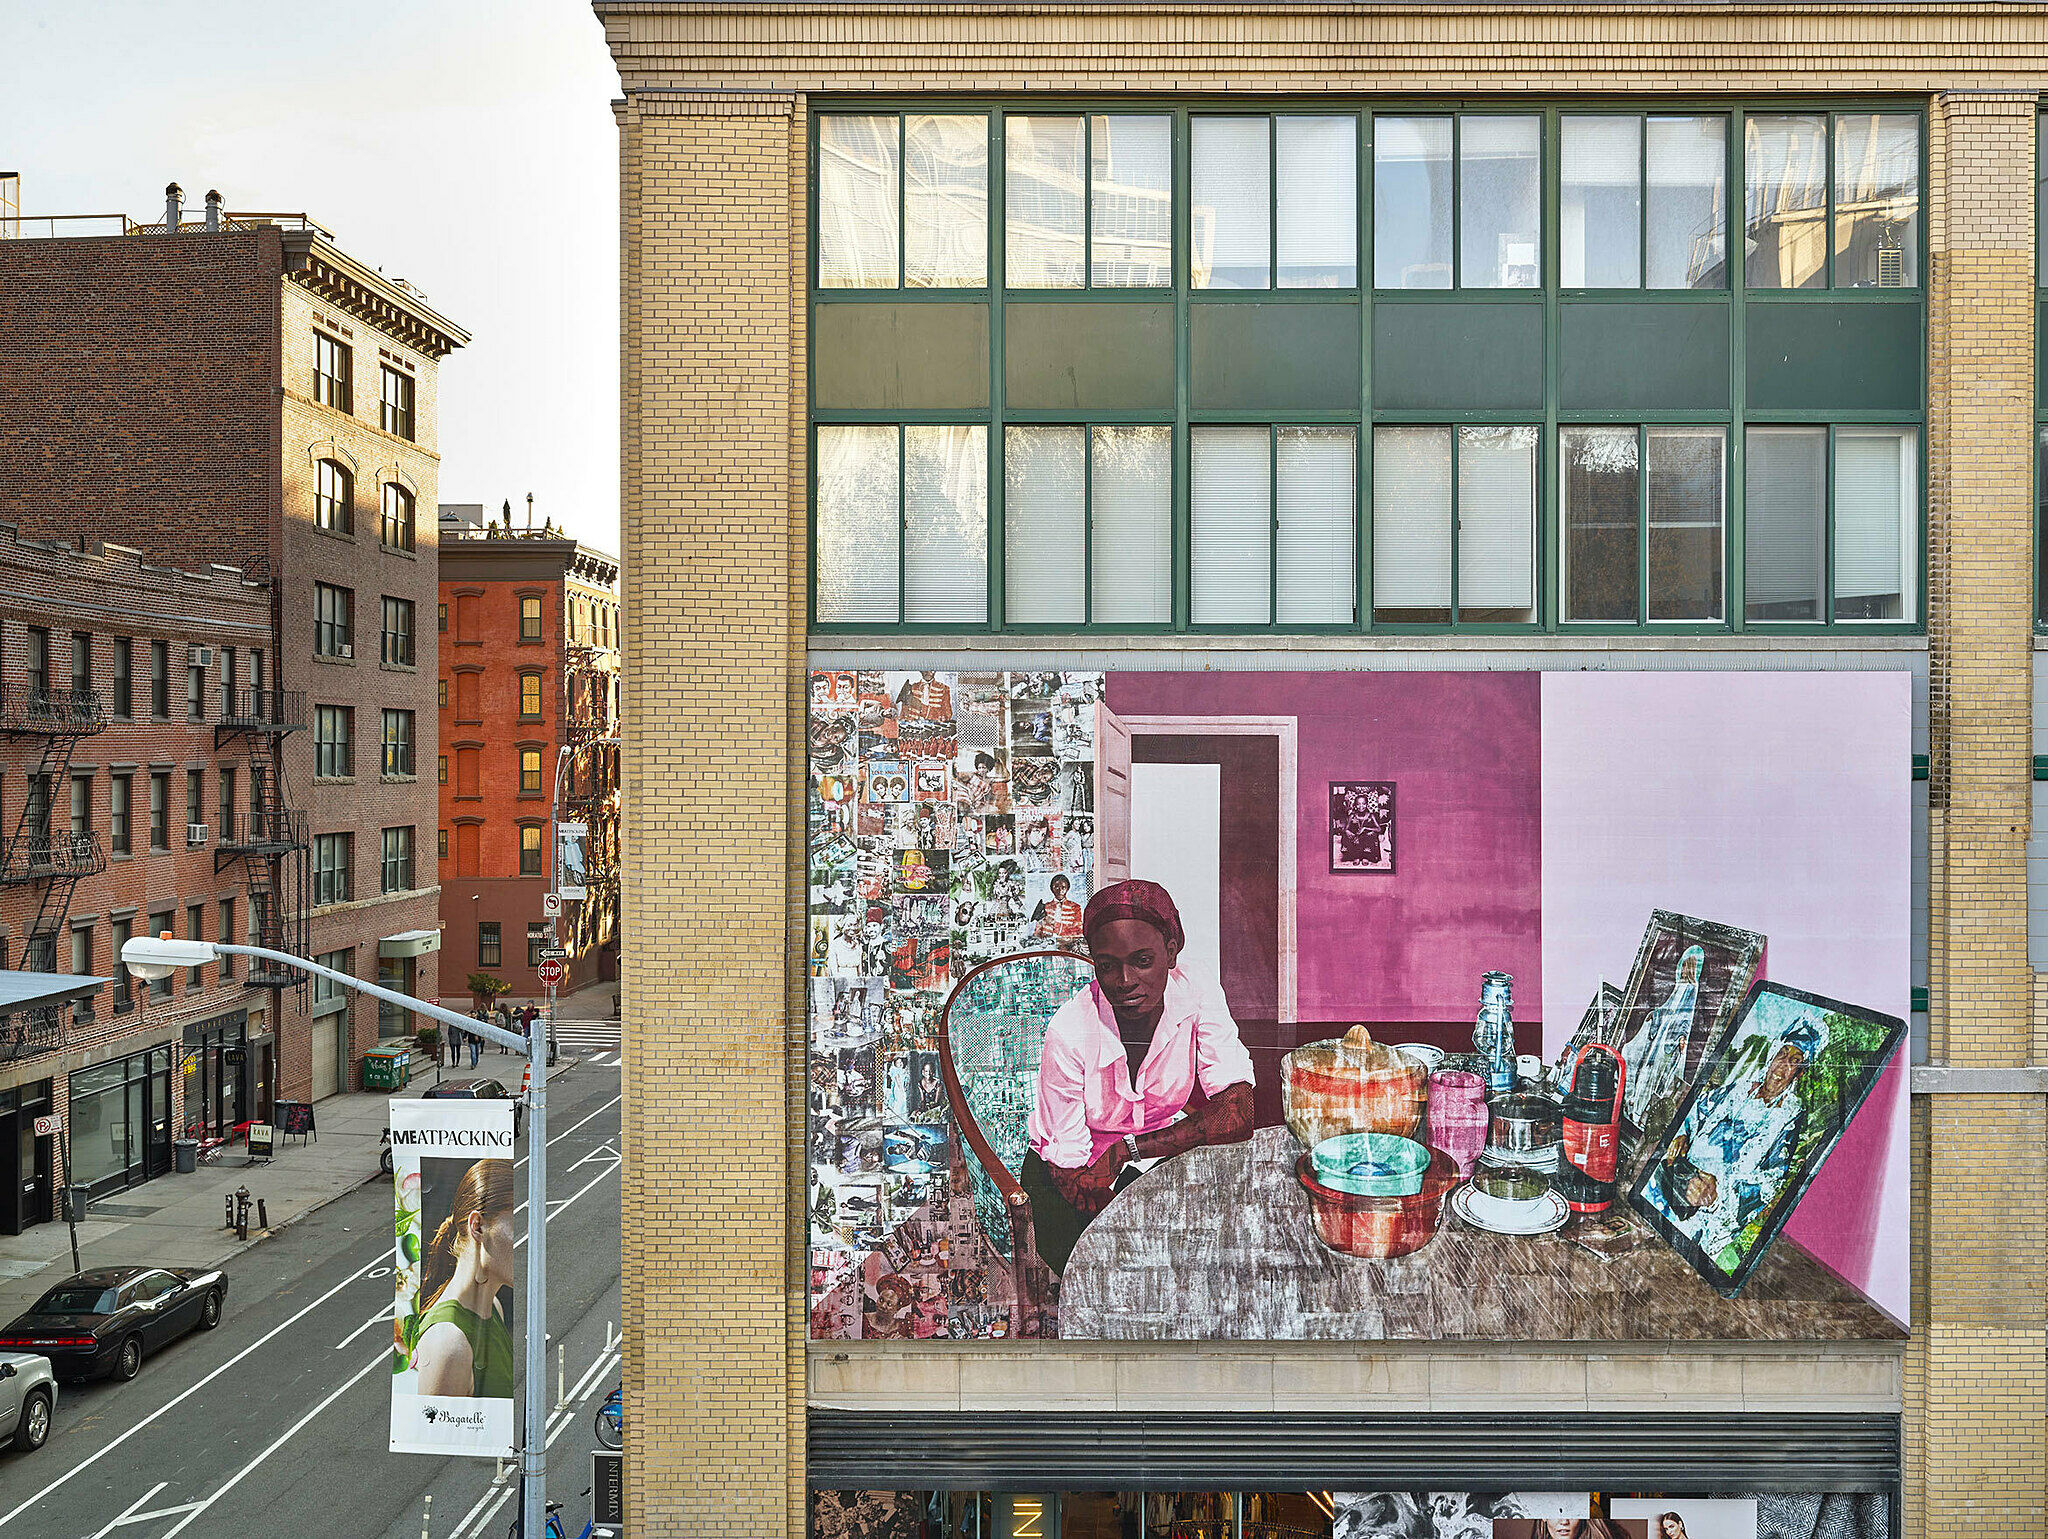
(152, 958)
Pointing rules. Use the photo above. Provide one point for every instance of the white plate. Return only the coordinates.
(1425, 1053)
(1550, 1215)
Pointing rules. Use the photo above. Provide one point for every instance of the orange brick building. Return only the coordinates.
(529, 667)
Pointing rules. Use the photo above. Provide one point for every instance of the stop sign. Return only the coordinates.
(552, 971)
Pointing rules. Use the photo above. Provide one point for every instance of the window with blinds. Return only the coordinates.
(1784, 507)
(1454, 513)
(1274, 202)
(1273, 515)
(901, 528)
(1876, 507)
(1642, 200)
(1088, 525)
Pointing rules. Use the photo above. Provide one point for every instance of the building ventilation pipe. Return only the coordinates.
(174, 208)
(213, 212)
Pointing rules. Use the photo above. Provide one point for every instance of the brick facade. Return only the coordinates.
(713, 496)
(485, 732)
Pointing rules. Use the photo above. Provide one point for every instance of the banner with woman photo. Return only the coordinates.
(455, 1346)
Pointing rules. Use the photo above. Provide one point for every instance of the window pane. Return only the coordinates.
(1318, 213)
(1411, 203)
(2040, 531)
(1785, 200)
(1231, 227)
(1784, 491)
(1131, 214)
(1318, 499)
(857, 201)
(945, 524)
(1044, 526)
(1042, 189)
(1231, 505)
(1131, 490)
(1874, 524)
(1411, 525)
(2041, 199)
(1877, 200)
(1600, 202)
(1497, 524)
(857, 524)
(1688, 202)
(945, 202)
(1598, 481)
(1685, 500)
(1500, 202)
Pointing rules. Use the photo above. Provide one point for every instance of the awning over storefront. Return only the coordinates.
(409, 943)
(30, 991)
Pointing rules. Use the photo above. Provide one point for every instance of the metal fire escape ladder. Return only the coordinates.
(273, 845)
(52, 862)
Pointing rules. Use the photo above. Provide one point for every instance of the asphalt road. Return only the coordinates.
(278, 1421)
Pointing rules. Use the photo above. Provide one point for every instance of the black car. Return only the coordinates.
(102, 1322)
(479, 1090)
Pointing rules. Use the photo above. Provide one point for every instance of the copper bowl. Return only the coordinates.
(1378, 1228)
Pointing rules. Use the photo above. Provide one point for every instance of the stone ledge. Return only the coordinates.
(1942, 1079)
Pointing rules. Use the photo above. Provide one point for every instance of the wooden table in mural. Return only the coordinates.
(1217, 1245)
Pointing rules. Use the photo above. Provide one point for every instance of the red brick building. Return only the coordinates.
(529, 667)
(130, 718)
(238, 389)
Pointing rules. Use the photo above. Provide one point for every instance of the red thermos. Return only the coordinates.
(1592, 1129)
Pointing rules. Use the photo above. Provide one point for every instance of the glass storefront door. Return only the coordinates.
(120, 1121)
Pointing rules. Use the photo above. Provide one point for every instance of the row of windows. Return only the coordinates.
(334, 506)
(1450, 529)
(334, 728)
(468, 695)
(334, 857)
(468, 762)
(490, 943)
(334, 371)
(84, 949)
(1828, 199)
(334, 625)
(121, 697)
(532, 844)
(39, 812)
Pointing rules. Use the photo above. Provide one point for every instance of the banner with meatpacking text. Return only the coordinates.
(455, 1342)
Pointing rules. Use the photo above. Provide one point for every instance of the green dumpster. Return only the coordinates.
(387, 1068)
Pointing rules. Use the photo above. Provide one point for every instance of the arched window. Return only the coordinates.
(334, 504)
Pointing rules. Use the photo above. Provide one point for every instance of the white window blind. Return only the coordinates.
(945, 525)
(1232, 513)
(1873, 522)
(945, 202)
(1131, 215)
(1411, 518)
(1318, 201)
(1411, 203)
(1044, 526)
(1500, 202)
(1687, 211)
(1044, 181)
(1232, 196)
(1783, 518)
(1601, 201)
(1131, 480)
(1317, 499)
(857, 200)
(1497, 522)
(857, 525)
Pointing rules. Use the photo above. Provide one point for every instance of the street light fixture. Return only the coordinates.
(150, 958)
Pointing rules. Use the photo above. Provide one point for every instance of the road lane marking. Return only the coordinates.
(9, 1517)
(376, 1319)
(614, 1101)
(129, 1509)
(381, 1360)
(499, 1492)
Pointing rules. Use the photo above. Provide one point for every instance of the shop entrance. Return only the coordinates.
(27, 1162)
(219, 1075)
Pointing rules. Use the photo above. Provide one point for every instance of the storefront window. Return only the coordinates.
(119, 1121)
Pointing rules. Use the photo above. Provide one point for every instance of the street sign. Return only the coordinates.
(551, 905)
(49, 1127)
(608, 1486)
(552, 970)
(554, 954)
(260, 1140)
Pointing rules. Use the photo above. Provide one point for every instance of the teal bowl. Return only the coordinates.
(1370, 1164)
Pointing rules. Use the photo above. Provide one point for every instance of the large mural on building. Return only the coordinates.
(1358, 1005)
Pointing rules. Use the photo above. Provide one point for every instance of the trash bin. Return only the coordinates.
(387, 1068)
(186, 1151)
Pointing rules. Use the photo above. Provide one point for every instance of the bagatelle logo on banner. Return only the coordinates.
(454, 1341)
(1368, 1005)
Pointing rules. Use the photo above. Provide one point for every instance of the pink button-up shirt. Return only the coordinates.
(1086, 1100)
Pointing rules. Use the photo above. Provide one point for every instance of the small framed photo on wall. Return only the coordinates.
(1362, 826)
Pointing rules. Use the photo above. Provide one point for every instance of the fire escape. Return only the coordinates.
(272, 845)
(589, 797)
(50, 864)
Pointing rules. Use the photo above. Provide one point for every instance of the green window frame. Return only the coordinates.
(1912, 264)
(2040, 397)
(1461, 502)
(1645, 466)
(901, 201)
(1552, 399)
(1100, 197)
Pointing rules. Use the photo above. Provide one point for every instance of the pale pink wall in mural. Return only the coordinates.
(1462, 750)
(1778, 802)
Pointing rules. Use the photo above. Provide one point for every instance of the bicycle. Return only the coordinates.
(610, 1423)
(384, 1166)
(554, 1528)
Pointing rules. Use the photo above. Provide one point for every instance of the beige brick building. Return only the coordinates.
(782, 164)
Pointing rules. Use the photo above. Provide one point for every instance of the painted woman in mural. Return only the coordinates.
(1656, 1055)
(1143, 1063)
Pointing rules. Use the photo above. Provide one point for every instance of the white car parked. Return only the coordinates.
(28, 1399)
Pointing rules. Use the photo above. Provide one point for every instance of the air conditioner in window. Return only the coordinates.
(195, 833)
(347, 649)
(202, 657)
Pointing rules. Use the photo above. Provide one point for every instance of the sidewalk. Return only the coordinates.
(175, 1220)
(592, 1002)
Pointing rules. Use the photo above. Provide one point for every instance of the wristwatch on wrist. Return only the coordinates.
(1131, 1145)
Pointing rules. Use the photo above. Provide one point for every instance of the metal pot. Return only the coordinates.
(1524, 1124)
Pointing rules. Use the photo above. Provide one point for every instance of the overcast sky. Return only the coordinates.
(467, 145)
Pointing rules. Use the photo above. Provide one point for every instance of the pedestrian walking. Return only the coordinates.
(476, 1046)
